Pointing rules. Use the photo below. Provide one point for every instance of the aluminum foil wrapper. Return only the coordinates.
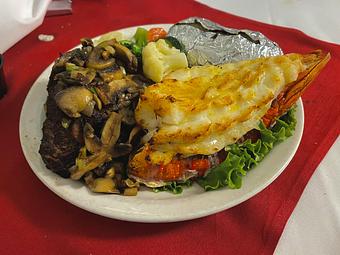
(206, 42)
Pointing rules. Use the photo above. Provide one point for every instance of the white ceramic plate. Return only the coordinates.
(147, 206)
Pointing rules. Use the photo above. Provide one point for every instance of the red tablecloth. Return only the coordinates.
(35, 221)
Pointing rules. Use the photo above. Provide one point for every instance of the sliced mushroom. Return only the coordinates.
(129, 59)
(120, 149)
(104, 185)
(108, 149)
(84, 75)
(140, 80)
(133, 134)
(99, 61)
(111, 130)
(77, 74)
(109, 169)
(75, 56)
(101, 185)
(108, 52)
(92, 142)
(63, 59)
(98, 102)
(73, 100)
(84, 165)
(86, 42)
(131, 191)
(110, 172)
(108, 92)
(82, 154)
(65, 77)
(130, 183)
(96, 59)
(88, 111)
(112, 73)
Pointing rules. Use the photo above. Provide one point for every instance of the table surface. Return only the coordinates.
(314, 226)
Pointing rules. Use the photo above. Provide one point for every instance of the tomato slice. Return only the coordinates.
(200, 165)
(156, 33)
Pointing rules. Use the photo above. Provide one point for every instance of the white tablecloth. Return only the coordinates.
(314, 226)
(18, 18)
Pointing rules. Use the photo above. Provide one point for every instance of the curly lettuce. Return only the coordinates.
(175, 187)
(243, 157)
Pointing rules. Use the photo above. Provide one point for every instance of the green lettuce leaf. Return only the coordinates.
(243, 157)
(175, 187)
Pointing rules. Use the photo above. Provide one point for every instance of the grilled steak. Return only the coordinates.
(80, 79)
(58, 147)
